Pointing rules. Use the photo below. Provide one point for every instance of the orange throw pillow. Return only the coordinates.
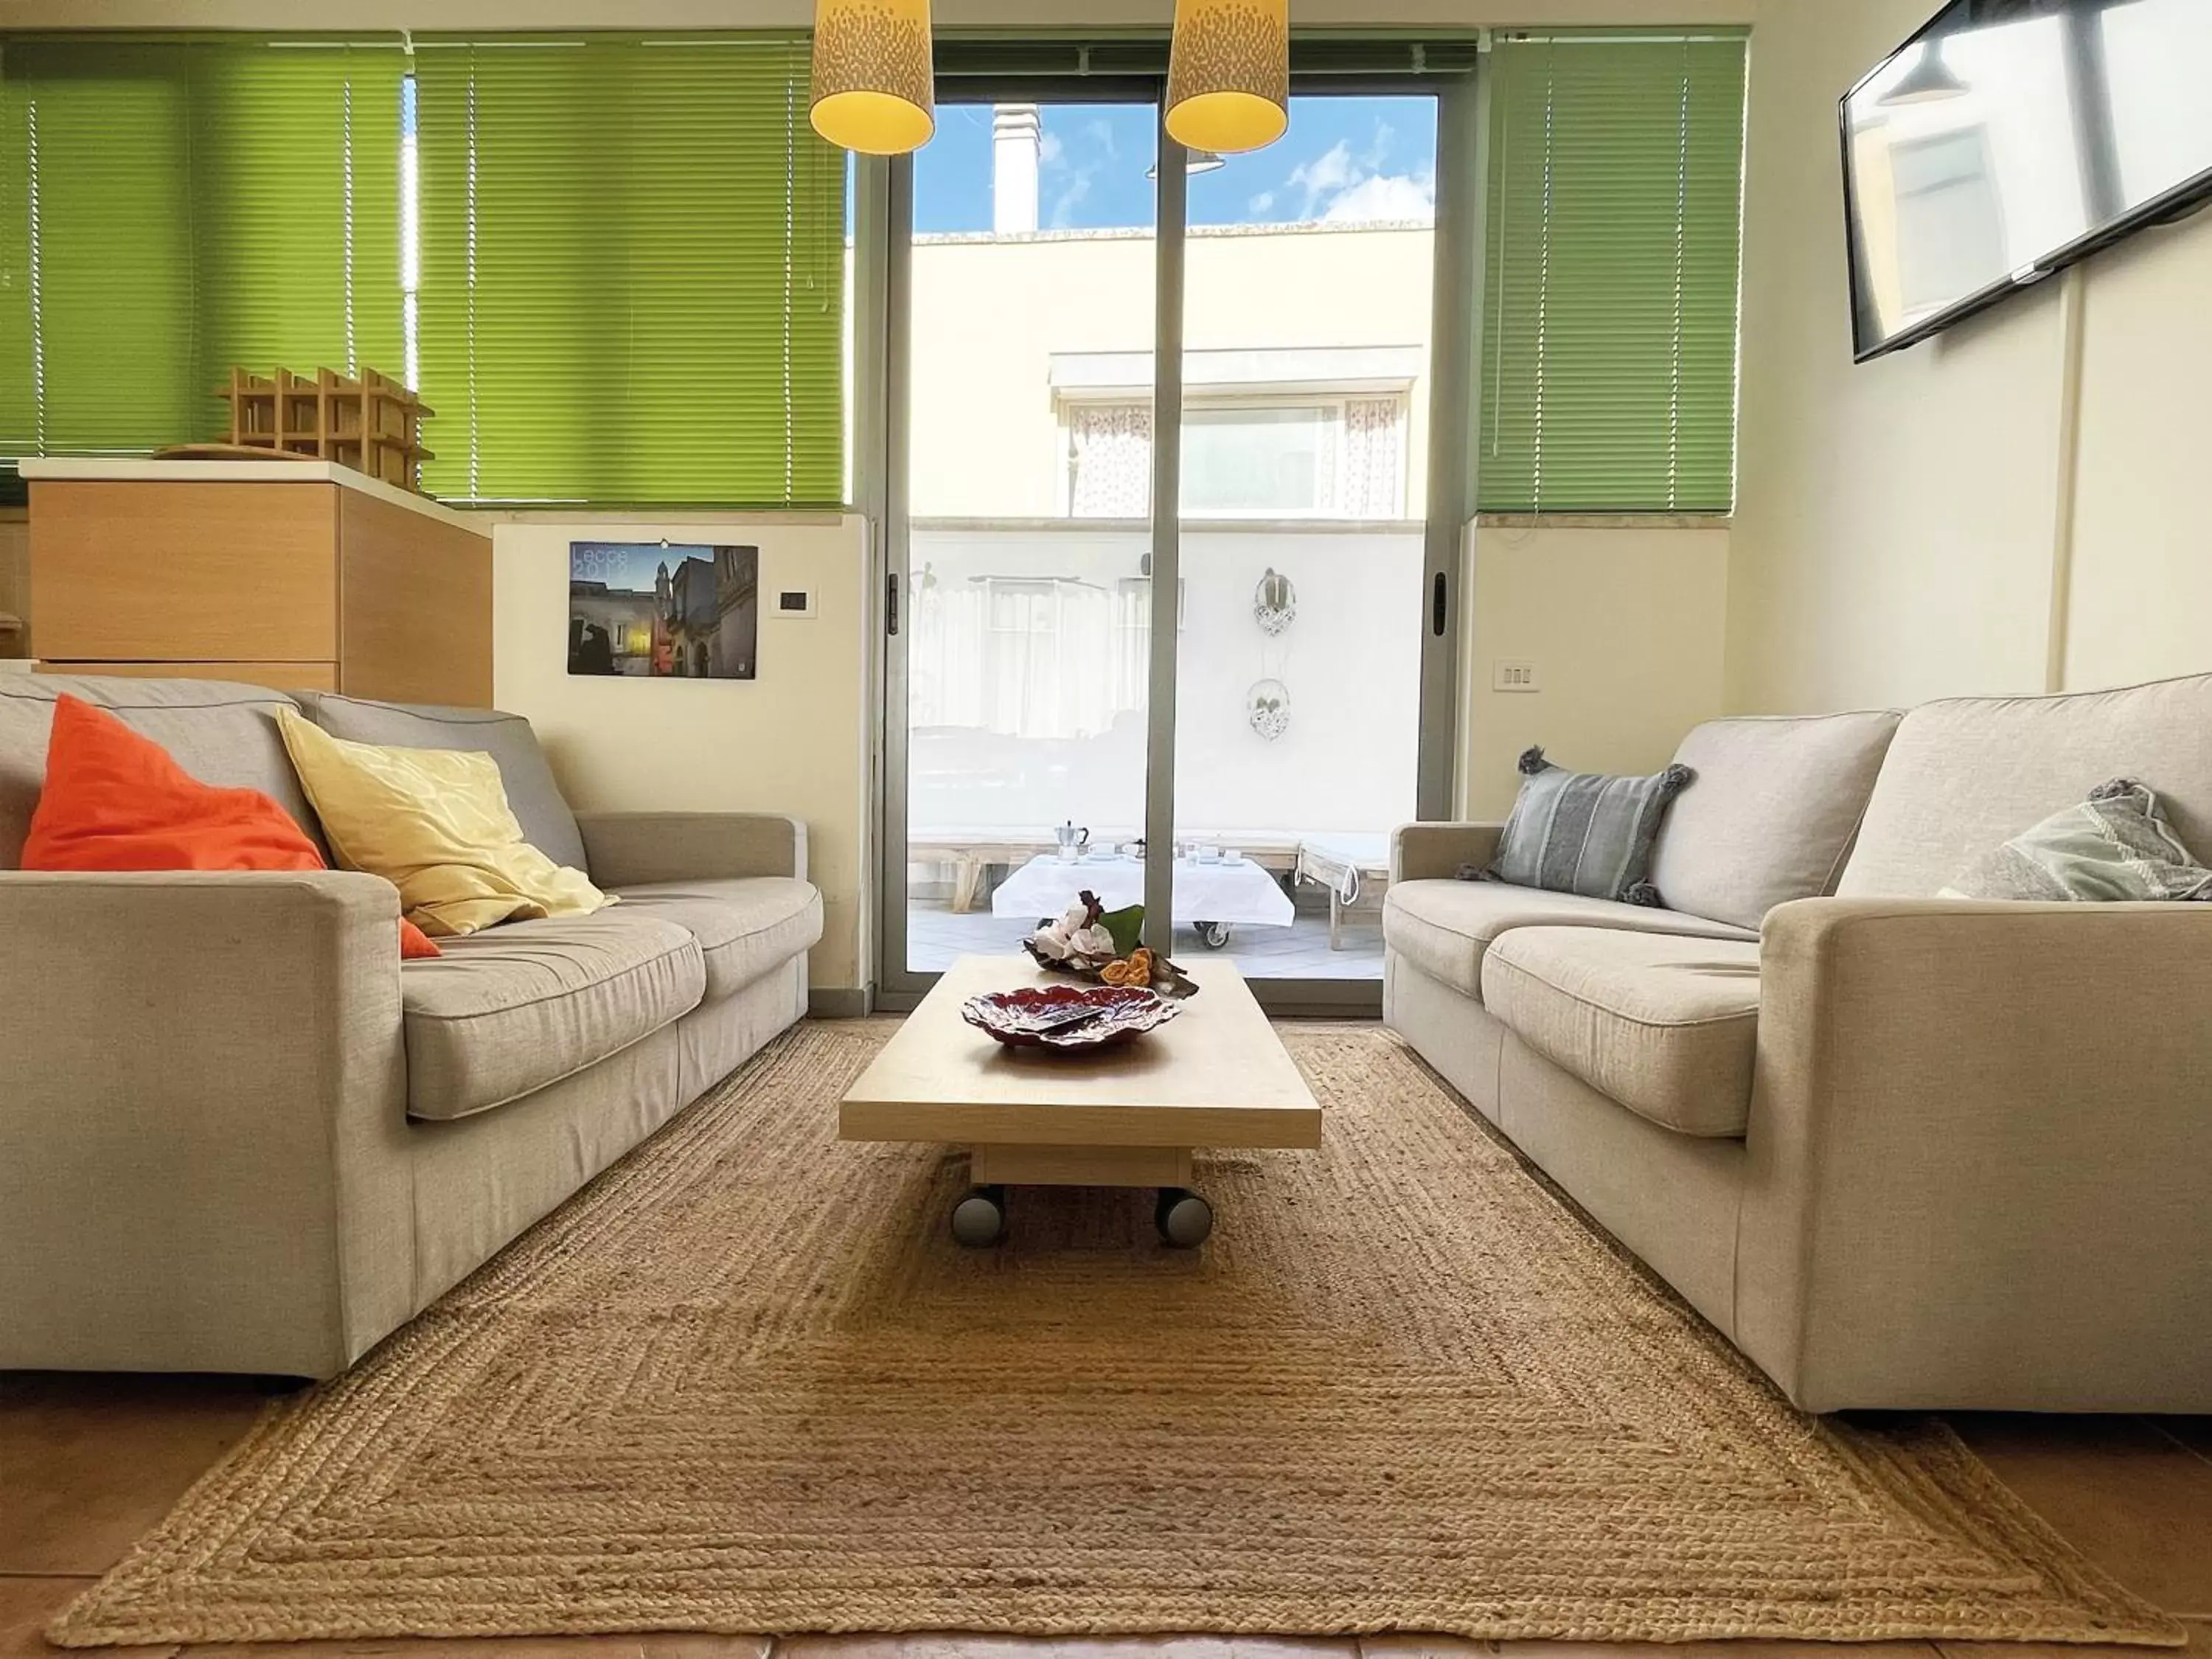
(114, 800)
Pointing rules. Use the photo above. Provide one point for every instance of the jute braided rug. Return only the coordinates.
(745, 1382)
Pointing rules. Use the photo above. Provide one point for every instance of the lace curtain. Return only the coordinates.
(1110, 455)
(1372, 483)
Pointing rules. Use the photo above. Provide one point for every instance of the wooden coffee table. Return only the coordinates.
(1217, 1076)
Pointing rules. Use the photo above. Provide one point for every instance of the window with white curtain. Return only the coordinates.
(1321, 456)
(1022, 656)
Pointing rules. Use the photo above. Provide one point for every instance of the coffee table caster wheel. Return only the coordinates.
(1214, 935)
(980, 1219)
(1183, 1218)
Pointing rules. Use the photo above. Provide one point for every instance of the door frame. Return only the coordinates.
(884, 213)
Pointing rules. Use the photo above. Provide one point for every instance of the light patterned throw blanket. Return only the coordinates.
(2113, 847)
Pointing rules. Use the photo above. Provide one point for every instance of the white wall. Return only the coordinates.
(1898, 522)
(1350, 660)
(991, 315)
(794, 740)
(2142, 590)
(1626, 625)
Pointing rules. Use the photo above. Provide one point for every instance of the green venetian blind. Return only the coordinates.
(1609, 337)
(632, 271)
(171, 207)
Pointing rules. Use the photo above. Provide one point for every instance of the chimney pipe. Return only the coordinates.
(1016, 149)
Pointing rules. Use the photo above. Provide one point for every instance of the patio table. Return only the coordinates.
(1210, 897)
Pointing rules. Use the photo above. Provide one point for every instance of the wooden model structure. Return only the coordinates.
(372, 424)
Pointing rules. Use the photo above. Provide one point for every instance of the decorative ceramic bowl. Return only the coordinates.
(1070, 1018)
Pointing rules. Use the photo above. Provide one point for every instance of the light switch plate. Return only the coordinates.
(791, 602)
(1513, 674)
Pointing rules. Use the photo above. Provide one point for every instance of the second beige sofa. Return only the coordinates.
(1904, 1151)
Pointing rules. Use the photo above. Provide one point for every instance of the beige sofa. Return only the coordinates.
(236, 1134)
(1904, 1151)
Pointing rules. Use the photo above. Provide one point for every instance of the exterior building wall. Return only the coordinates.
(991, 313)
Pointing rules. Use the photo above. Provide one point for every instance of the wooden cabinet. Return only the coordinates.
(290, 575)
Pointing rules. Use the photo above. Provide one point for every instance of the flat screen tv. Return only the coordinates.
(2009, 138)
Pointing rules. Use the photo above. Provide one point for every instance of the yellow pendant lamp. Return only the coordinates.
(874, 90)
(1229, 75)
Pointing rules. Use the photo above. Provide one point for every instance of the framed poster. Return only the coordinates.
(663, 611)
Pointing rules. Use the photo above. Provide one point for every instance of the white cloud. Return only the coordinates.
(1336, 187)
(1384, 196)
(1325, 176)
(1262, 202)
(1067, 182)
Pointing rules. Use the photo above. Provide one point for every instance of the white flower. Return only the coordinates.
(1092, 941)
(1053, 943)
(1078, 917)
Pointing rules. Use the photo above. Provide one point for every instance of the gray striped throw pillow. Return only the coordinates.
(1583, 832)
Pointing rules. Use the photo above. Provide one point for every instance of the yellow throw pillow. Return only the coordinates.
(435, 822)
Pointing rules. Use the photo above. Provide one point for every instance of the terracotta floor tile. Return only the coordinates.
(690, 1644)
(1401, 1644)
(2127, 1496)
(444, 1647)
(93, 1461)
(2194, 1432)
(2200, 1642)
(1720, 1650)
(956, 1645)
(26, 1605)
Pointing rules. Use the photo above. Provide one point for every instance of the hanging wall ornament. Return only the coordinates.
(1267, 706)
(1274, 604)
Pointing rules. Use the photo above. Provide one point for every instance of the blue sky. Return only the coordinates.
(1343, 158)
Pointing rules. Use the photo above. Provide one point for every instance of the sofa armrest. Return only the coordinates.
(626, 849)
(202, 1098)
(1434, 851)
(1977, 1156)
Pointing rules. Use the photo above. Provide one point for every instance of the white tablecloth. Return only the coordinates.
(1239, 892)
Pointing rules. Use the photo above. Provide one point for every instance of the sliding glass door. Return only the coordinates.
(1158, 579)
(1025, 607)
(1305, 412)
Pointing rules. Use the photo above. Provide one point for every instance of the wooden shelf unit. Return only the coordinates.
(372, 424)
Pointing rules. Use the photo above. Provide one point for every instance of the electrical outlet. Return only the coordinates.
(1513, 674)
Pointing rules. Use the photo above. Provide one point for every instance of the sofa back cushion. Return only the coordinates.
(537, 801)
(221, 733)
(1966, 775)
(1771, 814)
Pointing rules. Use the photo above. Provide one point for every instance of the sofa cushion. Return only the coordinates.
(1668, 1027)
(1968, 775)
(511, 1009)
(539, 807)
(1442, 927)
(746, 926)
(1770, 813)
(221, 733)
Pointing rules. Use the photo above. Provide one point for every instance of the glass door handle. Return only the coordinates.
(1436, 606)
